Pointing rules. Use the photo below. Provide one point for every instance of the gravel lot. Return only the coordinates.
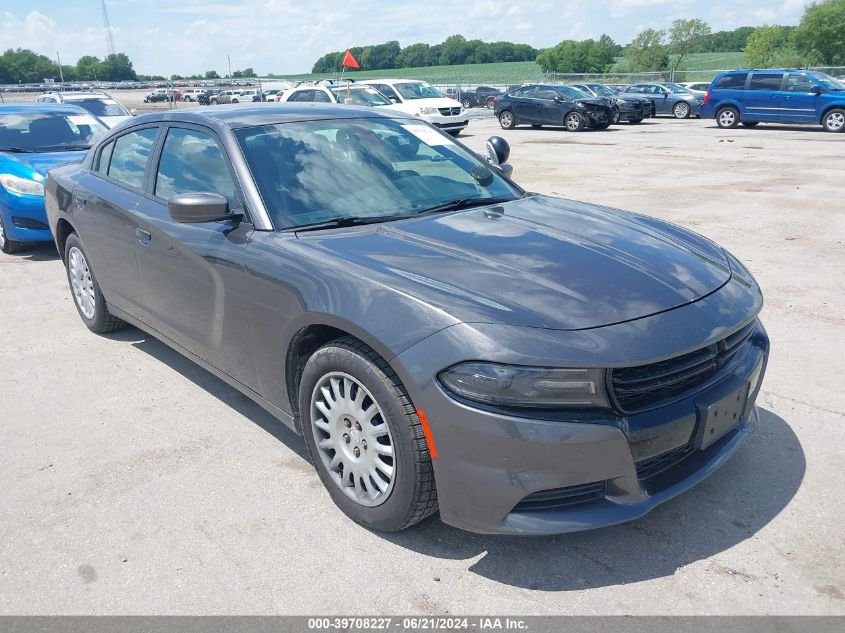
(135, 482)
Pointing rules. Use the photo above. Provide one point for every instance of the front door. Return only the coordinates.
(193, 274)
(762, 100)
(798, 103)
(549, 111)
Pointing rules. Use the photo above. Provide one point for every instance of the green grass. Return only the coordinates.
(519, 72)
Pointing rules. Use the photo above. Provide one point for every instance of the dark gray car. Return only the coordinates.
(441, 339)
(669, 98)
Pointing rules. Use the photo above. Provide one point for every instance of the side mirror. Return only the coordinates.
(816, 89)
(498, 150)
(394, 99)
(507, 170)
(193, 208)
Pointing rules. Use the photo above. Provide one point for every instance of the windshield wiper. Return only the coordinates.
(59, 148)
(18, 150)
(343, 221)
(465, 203)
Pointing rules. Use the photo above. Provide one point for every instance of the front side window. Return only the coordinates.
(388, 92)
(572, 93)
(766, 81)
(191, 161)
(798, 83)
(313, 171)
(547, 94)
(130, 155)
(417, 90)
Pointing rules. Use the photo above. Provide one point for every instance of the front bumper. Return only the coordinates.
(491, 464)
(24, 218)
(451, 126)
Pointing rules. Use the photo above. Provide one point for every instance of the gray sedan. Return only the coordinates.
(441, 339)
(669, 98)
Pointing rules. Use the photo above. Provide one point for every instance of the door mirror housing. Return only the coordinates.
(194, 208)
(498, 150)
(134, 112)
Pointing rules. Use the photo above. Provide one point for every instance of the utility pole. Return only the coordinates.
(61, 74)
(229, 57)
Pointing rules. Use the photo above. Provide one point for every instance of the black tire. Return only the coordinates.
(489, 103)
(507, 120)
(574, 122)
(101, 321)
(727, 118)
(635, 121)
(467, 104)
(413, 496)
(10, 247)
(834, 120)
(750, 123)
(681, 110)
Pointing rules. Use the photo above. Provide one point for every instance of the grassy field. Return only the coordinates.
(519, 72)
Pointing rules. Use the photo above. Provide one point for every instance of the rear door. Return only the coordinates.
(193, 274)
(798, 104)
(763, 98)
(103, 209)
(525, 104)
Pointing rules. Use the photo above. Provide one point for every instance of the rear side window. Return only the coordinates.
(191, 161)
(732, 82)
(130, 155)
(766, 81)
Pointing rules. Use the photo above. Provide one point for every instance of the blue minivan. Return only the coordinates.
(776, 96)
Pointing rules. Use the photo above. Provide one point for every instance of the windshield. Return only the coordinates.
(417, 90)
(44, 132)
(602, 91)
(829, 82)
(101, 107)
(313, 171)
(361, 96)
(572, 92)
(677, 89)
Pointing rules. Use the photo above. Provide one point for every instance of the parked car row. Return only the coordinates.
(100, 104)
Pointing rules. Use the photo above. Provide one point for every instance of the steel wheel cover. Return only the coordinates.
(81, 282)
(353, 439)
(835, 120)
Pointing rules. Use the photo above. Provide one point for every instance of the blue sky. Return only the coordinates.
(286, 36)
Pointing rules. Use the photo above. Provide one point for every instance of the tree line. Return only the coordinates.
(455, 49)
(25, 66)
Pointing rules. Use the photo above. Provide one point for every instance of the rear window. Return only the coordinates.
(766, 81)
(732, 82)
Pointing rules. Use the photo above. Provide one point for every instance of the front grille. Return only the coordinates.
(560, 498)
(635, 388)
(450, 111)
(29, 223)
(655, 465)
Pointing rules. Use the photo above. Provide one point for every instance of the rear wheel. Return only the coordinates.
(490, 103)
(681, 110)
(574, 122)
(834, 121)
(87, 298)
(467, 104)
(727, 117)
(9, 246)
(365, 437)
(507, 120)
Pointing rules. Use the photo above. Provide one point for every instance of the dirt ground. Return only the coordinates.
(135, 482)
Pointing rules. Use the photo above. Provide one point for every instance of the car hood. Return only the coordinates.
(596, 101)
(39, 162)
(537, 262)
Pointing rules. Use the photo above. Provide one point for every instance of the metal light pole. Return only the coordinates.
(61, 74)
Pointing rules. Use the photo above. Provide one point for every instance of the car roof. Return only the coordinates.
(63, 109)
(394, 81)
(241, 116)
(77, 96)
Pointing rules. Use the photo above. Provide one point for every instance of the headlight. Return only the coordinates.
(429, 111)
(516, 386)
(25, 186)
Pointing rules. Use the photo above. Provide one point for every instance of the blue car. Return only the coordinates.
(776, 96)
(34, 138)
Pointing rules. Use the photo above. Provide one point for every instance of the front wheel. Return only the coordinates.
(9, 246)
(574, 122)
(834, 121)
(87, 297)
(681, 110)
(365, 437)
(507, 120)
(467, 104)
(727, 118)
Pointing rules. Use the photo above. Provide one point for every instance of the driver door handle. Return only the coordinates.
(143, 236)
